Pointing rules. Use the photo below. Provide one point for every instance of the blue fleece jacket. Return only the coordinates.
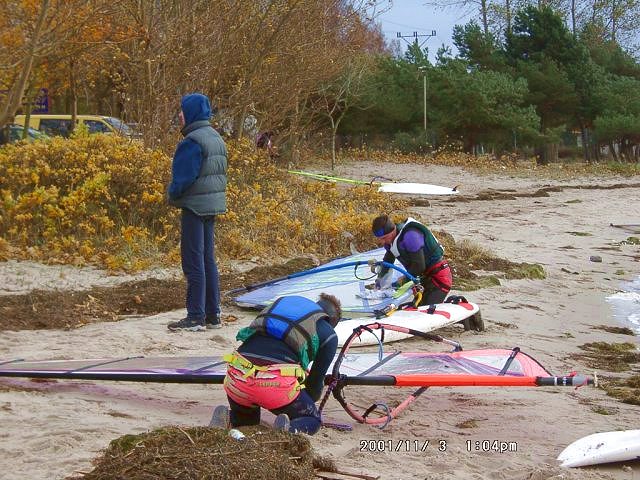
(187, 159)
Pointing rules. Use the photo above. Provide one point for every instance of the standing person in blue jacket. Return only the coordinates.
(198, 185)
(271, 368)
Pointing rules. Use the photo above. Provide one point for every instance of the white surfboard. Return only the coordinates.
(416, 189)
(420, 320)
(603, 447)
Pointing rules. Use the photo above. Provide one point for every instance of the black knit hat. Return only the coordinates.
(382, 225)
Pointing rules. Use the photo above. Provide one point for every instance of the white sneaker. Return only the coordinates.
(220, 417)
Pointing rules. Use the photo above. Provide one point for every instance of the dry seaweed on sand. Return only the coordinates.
(43, 309)
(63, 309)
(205, 453)
(614, 329)
(627, 390)
(612, 357)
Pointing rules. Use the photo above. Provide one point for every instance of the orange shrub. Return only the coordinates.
(101, 199)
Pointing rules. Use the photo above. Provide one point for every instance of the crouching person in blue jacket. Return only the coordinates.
(271, 368)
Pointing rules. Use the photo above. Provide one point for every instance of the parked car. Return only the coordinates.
(13, 133)
(52, 124)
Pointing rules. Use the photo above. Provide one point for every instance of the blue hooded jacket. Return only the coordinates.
(200, 162)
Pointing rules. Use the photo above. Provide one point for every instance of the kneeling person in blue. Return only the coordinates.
(271, 368)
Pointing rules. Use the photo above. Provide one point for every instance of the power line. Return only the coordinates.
(404, 25)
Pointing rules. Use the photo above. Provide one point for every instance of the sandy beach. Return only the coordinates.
(51, 430)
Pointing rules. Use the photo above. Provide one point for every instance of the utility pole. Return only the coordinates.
(415, 37)
(422, 69)
(424, 96)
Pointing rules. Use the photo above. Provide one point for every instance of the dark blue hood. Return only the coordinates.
(195, 106)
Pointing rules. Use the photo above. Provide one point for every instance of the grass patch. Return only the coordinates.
(613, 357)
(619, 272)
(64, 309)
(577, 200)
(471, 284)
(531, 271)
(580, 234)
(469, 256)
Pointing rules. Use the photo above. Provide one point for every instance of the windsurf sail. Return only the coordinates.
(403, 369)
(473, 368)
(346, 278)
(389, 187)
(480, 368)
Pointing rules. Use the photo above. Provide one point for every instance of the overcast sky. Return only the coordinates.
(408, 16)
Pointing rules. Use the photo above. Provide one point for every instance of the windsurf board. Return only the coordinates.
(388, 187)
(602, 447)
(416, 189)
(416, 319)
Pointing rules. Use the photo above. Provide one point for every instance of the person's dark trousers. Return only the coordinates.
(302, 412)
(199, 265)
(433, 295)
(437, 287)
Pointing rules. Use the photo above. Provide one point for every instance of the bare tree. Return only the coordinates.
(38, 32)
(482, 7)
(17, 65)
(260, 58)
(335, 98)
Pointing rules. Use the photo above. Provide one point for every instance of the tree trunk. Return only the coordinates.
(508, 12)
(469, 144)
(547, 153)
(27, 119)
(74, 96)
(612, 151)
(334, 132)
(626, 150)
(596, 151)
(485, 23)
(586, 150)
(14, 97)
(614, 23)
(239, 124)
